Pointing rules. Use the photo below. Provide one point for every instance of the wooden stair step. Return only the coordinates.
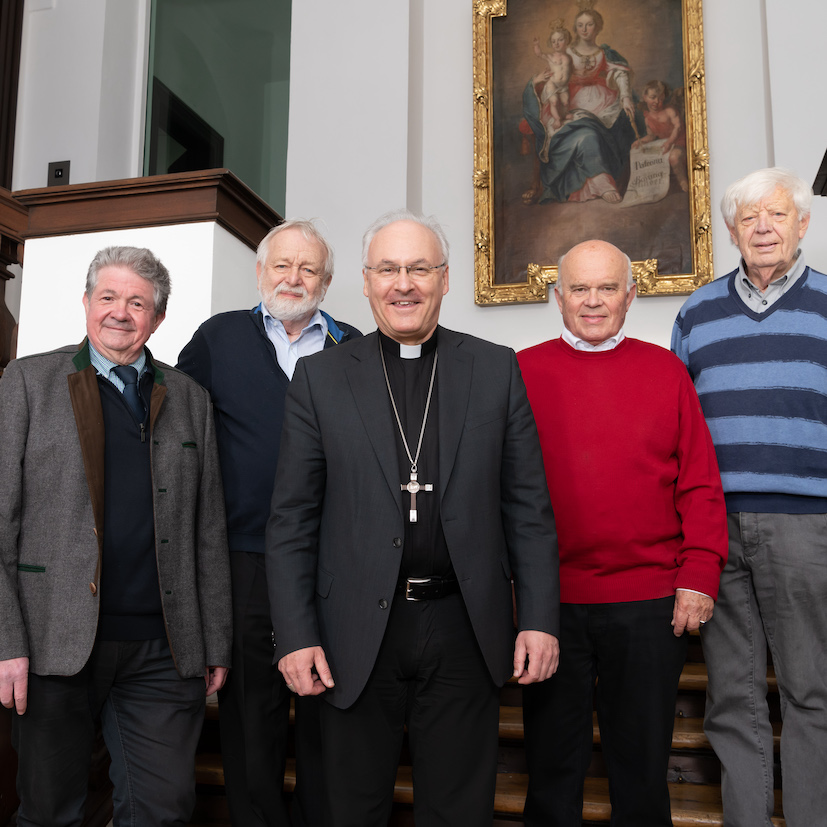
(693, 677)
(688, 733)
(693, 805)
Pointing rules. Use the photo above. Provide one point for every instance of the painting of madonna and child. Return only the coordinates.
(589, 132)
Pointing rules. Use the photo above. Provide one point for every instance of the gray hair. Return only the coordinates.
(311, 233)
(761, 184)
(428, 222)
(141, 262)
(630, 279)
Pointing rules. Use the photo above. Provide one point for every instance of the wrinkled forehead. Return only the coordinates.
(777, 199)
(292, 244)
(405, 242)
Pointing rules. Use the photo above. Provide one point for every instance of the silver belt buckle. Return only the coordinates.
(415, 581)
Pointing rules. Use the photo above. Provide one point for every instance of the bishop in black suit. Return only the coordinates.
(410, 491)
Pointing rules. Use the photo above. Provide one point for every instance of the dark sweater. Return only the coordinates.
(232, 357)
(129, 592)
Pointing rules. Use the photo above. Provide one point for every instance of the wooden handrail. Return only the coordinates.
(183, 198)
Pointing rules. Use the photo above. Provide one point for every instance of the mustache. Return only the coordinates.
(299, 289)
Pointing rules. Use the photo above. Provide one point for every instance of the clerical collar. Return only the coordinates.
(394, 348)
(581, 344)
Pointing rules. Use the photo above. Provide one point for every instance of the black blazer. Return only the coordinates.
(334, 537)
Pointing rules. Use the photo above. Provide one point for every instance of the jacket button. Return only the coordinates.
(93, 588)
(383, 604)
(397, 542)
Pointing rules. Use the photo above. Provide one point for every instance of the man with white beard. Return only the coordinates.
(245, 359)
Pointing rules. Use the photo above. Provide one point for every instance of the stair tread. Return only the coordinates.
(693, 805)
(693, 678)
(688, 733)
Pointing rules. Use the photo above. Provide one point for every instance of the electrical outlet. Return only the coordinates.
(58, 174)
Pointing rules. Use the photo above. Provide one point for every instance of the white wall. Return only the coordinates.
(349, 175)
(799, 117)
(381, 116)
(198, 257)
(81, 92)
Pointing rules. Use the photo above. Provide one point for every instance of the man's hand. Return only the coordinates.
(299, 675)
(214, 677)
(691, 609)
(14, 683)
(543, 653)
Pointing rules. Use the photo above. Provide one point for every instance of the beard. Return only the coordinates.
(290, 310)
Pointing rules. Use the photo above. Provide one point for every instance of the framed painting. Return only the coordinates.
(589, 122)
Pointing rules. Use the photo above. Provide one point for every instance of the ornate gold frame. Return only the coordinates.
(540, 276)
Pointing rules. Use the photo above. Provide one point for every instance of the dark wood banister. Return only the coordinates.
(183, 198)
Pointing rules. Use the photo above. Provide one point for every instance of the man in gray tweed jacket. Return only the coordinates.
(114, 572)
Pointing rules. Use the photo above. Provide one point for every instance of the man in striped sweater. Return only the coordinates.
(755, 343)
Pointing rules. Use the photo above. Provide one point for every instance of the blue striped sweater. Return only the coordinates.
(762, 382)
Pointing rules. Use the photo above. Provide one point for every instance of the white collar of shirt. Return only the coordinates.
(310, 340)
(580, 344)
(760, 300)
(105, 366)
(315, 319)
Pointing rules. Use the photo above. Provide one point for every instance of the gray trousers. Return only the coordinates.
(773, 592)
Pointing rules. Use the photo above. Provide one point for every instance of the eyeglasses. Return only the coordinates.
(415, 271)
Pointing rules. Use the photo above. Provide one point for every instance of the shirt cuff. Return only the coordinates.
(702, 594)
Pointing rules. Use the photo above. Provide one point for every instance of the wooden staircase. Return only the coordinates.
(693, 773)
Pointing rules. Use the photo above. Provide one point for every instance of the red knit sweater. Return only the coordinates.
(631, 472)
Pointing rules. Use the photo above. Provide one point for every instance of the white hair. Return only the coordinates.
(311, 233)
(428, 222)
(762, 184)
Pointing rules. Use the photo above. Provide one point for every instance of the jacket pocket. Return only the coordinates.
(30, 568)
(483, 418)
(324, 580)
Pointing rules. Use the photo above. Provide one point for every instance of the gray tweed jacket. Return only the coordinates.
(51, 515)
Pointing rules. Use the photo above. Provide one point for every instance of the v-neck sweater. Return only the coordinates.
(762, 382)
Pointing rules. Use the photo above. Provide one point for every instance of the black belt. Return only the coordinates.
(426, 588)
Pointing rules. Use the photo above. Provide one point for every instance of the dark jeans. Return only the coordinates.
(253, 717)
(429, 675)
(630, 650)
(151, 720)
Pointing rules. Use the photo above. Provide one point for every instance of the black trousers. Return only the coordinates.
(429, 675)
(254, 706)
(151, 719)
(629, 649)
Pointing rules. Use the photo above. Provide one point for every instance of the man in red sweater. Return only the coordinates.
(642, 532)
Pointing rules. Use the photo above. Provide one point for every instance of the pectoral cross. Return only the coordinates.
(414, 487)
